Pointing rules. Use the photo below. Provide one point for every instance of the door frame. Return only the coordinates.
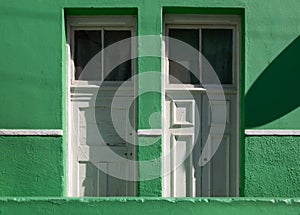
(207, 20)
(93, 21)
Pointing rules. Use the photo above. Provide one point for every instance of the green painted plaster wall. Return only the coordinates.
(272, 166)
(31, 65)
(149, 206)
(32, 97)
(32, 87)
(31, 166)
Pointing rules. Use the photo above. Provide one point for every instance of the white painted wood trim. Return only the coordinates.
(149, 132)
(102, 20)
(272, 132)
(31, 132)
(193, 19)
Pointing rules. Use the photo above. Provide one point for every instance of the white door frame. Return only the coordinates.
(207, 21)
(92, 22)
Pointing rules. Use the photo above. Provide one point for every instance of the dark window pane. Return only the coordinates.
(179, 74)
(217, 48)
(87, 46)
(121, 72)
(183, 68)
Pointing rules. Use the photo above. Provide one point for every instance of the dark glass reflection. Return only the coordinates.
(217, 48)
(183, 68)
(123, 71)
(87, 45)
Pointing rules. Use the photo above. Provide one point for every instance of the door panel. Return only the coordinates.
(188, 120)
(95, 182)
(102, 141)
(182, 124)
(220, 174)
(183, 174)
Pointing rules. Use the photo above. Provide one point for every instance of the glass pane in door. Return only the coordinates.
(121, 72)
(87, 52)
(182, 68)
(217, 48)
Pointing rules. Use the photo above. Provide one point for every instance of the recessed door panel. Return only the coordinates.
(103, 145)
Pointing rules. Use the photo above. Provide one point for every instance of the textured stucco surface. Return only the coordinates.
(149, 153)
(31, 65)
(272, 166)
(31, 166)
(149, 206)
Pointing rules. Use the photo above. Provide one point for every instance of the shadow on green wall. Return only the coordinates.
(276, 92)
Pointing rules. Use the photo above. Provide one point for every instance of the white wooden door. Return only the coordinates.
(102, 142)
(188, 120)
(192, 121)
(101, 111)
(182, 124)
(220, 175)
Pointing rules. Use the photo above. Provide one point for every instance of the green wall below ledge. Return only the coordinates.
(272, 166)
(31, 166)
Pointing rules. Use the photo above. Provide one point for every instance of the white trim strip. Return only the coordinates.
(276, 132)
(31, 132)
(149, 132)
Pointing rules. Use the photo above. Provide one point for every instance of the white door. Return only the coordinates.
(188, 120)
(102, 113)
(102, 143)
(188, 111)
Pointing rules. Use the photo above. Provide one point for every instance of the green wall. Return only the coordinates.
(31, 65)
(32, 87)
(272, 166)
(31, 166)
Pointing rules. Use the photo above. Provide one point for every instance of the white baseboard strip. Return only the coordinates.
(150, 132)
(31, 132)
(272, 132)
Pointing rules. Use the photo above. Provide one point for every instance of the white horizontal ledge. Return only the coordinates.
(272, 132)
(31, 132)
(149, 132)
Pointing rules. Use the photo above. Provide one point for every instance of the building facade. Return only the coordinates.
(150, 99)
